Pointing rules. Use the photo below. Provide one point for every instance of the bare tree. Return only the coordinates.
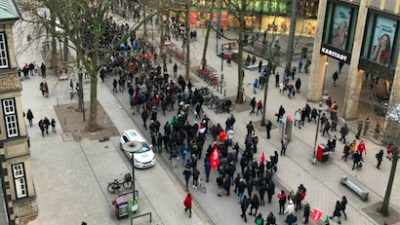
(84, 25)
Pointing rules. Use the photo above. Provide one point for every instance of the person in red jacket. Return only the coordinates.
(361, 147)
(188, 204)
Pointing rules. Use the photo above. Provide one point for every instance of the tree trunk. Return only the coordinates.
(144, 17)
(65, 62)
(240, 90)
(53, 60)
(187, 57)
(93, 126)
(203, 59)
(384, 210)
(264, 113)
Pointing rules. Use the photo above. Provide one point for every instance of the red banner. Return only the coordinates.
(192, 18)
(316, 215)
(214, 158)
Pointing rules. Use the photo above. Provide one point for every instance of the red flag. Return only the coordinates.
(214, 158)
(316, 215)
(262, 158)
(222, 136)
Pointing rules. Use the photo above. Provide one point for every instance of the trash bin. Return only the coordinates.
(323, 152)
(121, 206)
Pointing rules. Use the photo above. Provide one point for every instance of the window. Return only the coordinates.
(10, 117)
(20, 180)
(3, 51)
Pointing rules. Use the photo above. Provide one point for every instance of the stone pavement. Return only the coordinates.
(322, 180)
(71, 178)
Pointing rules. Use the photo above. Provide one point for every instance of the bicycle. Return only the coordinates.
(126, 182)
(201, 186)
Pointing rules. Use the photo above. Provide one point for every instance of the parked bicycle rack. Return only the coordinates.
(141, 215)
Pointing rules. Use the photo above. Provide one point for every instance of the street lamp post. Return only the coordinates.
(266, 75)
(320, 107)
(132, 147)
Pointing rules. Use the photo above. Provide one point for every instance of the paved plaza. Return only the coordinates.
(71, 177)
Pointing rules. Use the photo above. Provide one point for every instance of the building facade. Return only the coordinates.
(365, 36)
(15, 165)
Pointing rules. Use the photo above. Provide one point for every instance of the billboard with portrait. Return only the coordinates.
(340, 26)
(382, 40)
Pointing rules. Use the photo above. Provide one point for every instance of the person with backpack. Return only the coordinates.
(255, 203)
(271, 220)
(259, 220)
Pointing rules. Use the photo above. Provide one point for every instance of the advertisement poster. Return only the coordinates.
(340, 27)
(382, 42)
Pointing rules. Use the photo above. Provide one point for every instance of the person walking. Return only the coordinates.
(360, 125)
(46, 125)
(282, 201)
(244, 206)
(291, 219)
(268, 127)
(187, 173)
(344, 130)
(270, 190)
(367, 122)
(29, 116)
(256, 84)
(289, 208)
(379, 158)
(335, 76)
(259, 107)
(253, 104)
(277, 80)
(297, 85)
(357, 160)
(343, 204)
(41, 126)
(336, 212)
(284, 143)
(188, 204)
(145, 115)
(271, 220)
(255, 203)
(195, 174)
(346, 151)
(46, 89)
(280, 113)
(115, 83)
(207, 168)
(43, 70)
(306, 213)
(259, 220)
(53, 125)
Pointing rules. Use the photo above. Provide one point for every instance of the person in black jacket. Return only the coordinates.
(336, 212)
(245, 204)
(306, 213)
(187, 173)
(255, 203)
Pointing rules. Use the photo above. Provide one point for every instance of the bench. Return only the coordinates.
(355, 188)
(254, 66)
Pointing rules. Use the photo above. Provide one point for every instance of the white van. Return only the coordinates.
(143, 154)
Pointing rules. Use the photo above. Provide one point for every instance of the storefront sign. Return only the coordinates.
(335, 54)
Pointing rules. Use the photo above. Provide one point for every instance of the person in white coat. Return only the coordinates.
(297, 118)
(289, 208)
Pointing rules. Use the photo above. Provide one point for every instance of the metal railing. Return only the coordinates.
(141, 215)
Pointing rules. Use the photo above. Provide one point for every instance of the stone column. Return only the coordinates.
(355, 76)
(315, 83)
(392, 126)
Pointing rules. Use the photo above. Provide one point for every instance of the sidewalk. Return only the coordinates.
(322, 180)
(71, 178)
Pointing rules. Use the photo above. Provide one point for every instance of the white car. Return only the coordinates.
(132, 141)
